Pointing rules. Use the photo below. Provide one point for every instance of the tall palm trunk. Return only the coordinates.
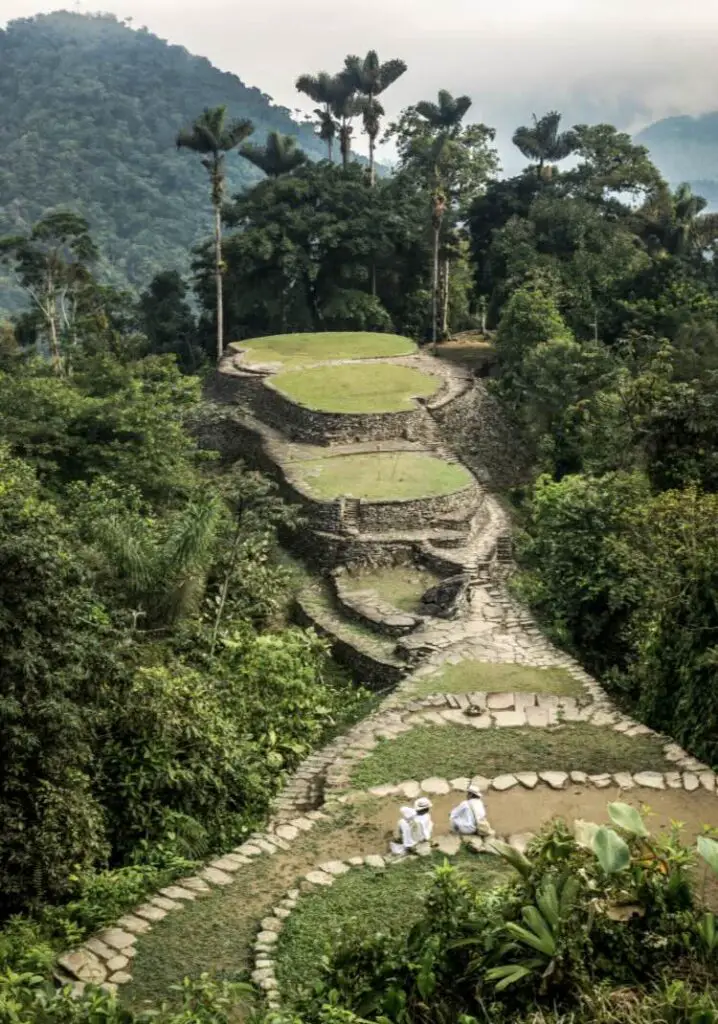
(330, 150)
(445, 303)
(439, 207)
(218, 279)
(372, 167)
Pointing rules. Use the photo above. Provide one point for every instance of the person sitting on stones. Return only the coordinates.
(469, 817)
(409, 832)
(422, 806)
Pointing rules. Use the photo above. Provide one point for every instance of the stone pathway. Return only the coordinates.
(491, 628)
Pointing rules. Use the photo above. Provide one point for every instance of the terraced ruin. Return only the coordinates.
(409, 553)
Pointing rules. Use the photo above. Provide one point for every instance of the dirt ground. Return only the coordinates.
(522, 810)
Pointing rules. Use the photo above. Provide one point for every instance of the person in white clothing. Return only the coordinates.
(409, 832)
(422, 806)
(469, 817)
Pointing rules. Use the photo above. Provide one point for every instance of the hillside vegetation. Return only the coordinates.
(90, 113)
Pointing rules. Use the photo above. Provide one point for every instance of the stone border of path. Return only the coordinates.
(325, 874)
(486, 711)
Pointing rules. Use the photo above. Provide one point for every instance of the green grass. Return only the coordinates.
(401, 586)
(381, 476)
(364, 900)
(469, 676)
(292, 350)
(317, 599)
(453, 751)
(356, 387)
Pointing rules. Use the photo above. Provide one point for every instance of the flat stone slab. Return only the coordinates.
(435, 786)
(196, 884)
(509, 719)
(479, 721)
(556, 780)
(130, 923)
(177, 892)
(319, 878)
(480, 782)
(448, 845)
(216, 877)
(537, 717)
(708, 781)
(334, 867)
(373, 860)
(529, 780)
(499, 701)
(117, 938)
(288, 832)
(151, 913)
(459, 785)
(100, 949)
(271, 924)
(623, 780)
(650, 780)
(267, 938)
(164, 903)
(504, 782)
(120, 978)
(117, 963)
(581, 778)
(248, 850)
(690, 782)
(602, 781)
(83, 964)
(304, 824)
(411, 790)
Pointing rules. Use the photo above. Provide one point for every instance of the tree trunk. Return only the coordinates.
(54, 343)
(372, 168)
(435, 282)
(330, 150)
(445, 310)
(218, 279)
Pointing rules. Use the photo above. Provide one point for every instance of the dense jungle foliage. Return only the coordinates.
(152, 693)
(91, 109)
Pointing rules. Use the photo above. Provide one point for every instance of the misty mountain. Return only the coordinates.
(686, 149)
(89, 112)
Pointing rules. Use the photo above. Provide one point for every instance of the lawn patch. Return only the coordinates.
(473, 676)
(453, 751)
(401, 586)
(364, 899)
(299, 349)
(356, 387)
(381, 476)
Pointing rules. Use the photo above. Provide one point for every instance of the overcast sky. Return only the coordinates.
(625, 61)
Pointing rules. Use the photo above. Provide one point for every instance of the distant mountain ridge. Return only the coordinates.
(685, 148)
(89, 112)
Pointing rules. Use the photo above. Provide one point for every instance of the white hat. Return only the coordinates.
(422, 804)
(473, 790)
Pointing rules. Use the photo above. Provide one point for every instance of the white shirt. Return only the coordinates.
(410, 830)
(466, 817)
(426, 825)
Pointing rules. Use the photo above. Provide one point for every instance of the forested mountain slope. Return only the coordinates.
(89, 113)
(686, 149)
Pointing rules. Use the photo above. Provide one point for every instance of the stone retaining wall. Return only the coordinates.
(369, 609)
(375, 672)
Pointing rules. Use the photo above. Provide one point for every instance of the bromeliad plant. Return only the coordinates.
(604, 887)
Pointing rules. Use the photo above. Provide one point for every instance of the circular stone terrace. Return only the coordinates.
(381, 476)
(356, 388)
(288, 351)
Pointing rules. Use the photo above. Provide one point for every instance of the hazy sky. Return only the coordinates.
(625, 61)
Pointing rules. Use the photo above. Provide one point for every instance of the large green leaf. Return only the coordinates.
(627, 818)
(708, 849)
(612, 851)
(511, 973)
(513, 857)
(584, 832)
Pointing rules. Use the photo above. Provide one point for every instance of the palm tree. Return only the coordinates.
(322, 89)
(370, 78)
(345, 107)
(444, 120)
(543, 142)
(213, 137)
(279, 156)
